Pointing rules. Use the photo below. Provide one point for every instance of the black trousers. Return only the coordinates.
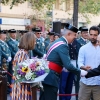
(48, 93)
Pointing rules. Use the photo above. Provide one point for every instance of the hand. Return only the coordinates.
(88, 67)
(9, 59)
(44, 56)
(83, 73)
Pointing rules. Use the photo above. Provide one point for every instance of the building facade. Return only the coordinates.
(63, 11)
(20, 16)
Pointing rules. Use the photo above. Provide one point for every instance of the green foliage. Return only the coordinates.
(89, 6)
(86, 7)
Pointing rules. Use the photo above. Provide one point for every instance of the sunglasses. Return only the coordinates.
(38, 33)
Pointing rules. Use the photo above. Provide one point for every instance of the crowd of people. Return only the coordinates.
(71, 54)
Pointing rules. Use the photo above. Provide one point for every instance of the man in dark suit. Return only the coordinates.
(58, 57)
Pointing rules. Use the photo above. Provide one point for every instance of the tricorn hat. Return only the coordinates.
(12, 31)
(3, 31)
(71, 28)
(36, 29)
(83, 28)
(51, 33)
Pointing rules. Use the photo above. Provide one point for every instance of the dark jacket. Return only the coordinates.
(93, 72)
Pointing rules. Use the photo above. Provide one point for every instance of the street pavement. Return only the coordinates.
(73, 97)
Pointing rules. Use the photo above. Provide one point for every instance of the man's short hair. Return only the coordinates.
(95, 28)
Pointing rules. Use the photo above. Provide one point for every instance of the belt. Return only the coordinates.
(57, 74)
(55, 67)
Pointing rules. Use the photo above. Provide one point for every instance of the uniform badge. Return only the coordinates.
(43, 44)
(37, 42)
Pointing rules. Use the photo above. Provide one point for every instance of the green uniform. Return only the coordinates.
(5, 52)
(13, 46)
(39, 49)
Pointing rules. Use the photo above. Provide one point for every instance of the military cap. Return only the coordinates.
(51, 33)
(12, 31)
(57, 34)
(23, 31)
(82, 29)
(71, 28)
(36, 29)
(3, 31)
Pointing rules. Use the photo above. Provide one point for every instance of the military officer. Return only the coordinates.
(22, 32)
(49, 40)
(58, 57)
(5, 51)
(12, 42)
(84, 36)
(67, 78)
(56, 36)
(13, 46)
(39, 50)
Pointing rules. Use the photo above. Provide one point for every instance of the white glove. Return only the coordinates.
(83, 73)
(9, 59)
(44, 56)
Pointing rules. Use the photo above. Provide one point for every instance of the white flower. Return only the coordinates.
(28, 76)
(42, 68)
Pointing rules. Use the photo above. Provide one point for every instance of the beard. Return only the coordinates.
(93, 41)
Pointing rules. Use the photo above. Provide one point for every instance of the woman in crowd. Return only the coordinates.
(23, 91)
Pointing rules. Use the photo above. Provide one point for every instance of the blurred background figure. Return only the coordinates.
(13, 46)
(84, 36)
(49, 39)
(5, 53)
(56, 36)
(39, 49)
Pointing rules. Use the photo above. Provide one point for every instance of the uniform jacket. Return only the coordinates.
(5, 51)
(74, 49)
(13, 46)
(47, 42)
(39, 49)
(81, 41)
(60, 56)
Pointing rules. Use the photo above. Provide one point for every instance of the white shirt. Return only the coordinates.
(65, 39)
(89, 55)
(13, 39)
(84, 39)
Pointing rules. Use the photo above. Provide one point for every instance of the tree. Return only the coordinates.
(75, 12)
(89, 8)
(85, 7)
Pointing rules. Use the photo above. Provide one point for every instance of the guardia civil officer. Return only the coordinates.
(5, 51)
(67, 78)
(49, 39)
(13, 46)
(84, 36)
(12, 42)
(58, 57)
(39, 49)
